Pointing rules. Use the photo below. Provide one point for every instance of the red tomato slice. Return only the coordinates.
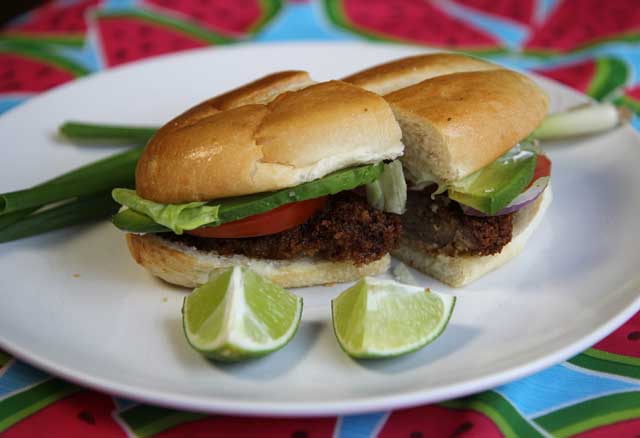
(543, 168)
(274, 221)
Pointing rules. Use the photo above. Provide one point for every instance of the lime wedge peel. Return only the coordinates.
(239, 315)
(379, 318)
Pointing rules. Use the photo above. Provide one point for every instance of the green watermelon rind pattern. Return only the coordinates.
(269, 9)
(590, 414)
(68, 40)
(35, 53)
(338, 17)
(598, 360)
(611, 75)
(510, 422)
(586, 47)
(175, 25)
(613, 357)
(146, 421)
(19, 406)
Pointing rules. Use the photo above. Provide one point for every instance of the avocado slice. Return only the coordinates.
(134, 222)
(493, 187)
(232, 209)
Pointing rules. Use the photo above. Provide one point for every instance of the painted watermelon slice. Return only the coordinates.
(55, 23)
(501, 412)
(85, 414)
(625, 341)
(426, 421)
(618, 353)
(599, 78)
(414, 21)
(257, 427)
(238, 18)
(25, 69)
(576, 24)
(520, 11)
(131, 36)
(147, 421)
(22, 404)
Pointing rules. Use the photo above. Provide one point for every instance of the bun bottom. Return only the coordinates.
(182, 265)
(459, 271)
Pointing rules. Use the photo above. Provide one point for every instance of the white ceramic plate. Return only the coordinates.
(74, 302)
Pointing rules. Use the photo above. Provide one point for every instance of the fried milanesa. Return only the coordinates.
(439, 226)
(347, 229)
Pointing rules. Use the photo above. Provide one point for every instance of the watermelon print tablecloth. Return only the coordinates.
(591, 45)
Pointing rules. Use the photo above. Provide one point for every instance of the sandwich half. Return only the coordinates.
(477, 186)
(270, 183)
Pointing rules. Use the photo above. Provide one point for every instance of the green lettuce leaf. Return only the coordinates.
(389, 192)
(177, 217)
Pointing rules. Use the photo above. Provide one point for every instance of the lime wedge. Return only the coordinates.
(383, 318)
(239, 315)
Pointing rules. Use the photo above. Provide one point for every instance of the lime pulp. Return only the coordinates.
(378, 318)
(239, 315)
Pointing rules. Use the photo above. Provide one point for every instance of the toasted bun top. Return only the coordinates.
(300, 136)
(401, 73)
(456, 124)
(262, 90)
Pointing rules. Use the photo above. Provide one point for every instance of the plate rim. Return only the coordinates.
(326, 408)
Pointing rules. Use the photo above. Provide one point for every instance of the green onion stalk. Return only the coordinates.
(115, 171)
(20, 211)
(581, 121)
(91, 132)
(65, 215)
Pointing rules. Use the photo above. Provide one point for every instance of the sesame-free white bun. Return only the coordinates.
(260, 91)
(461, 270)
(299, 136)
(179, 264)
(455, 124)
(457, 113)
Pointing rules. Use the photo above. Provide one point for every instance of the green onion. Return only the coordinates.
(107, 133)
(101, 176)
(579, 121)
(16, 216)
(70, 213)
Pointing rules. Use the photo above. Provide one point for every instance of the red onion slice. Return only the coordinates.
(522, 200)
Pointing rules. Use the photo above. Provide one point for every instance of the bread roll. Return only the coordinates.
(185, 266)
(401, 73)
(300, 136)
(456, 124)
(260, 91)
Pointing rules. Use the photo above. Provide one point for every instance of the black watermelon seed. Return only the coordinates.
(634, 336)
(87, 417)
